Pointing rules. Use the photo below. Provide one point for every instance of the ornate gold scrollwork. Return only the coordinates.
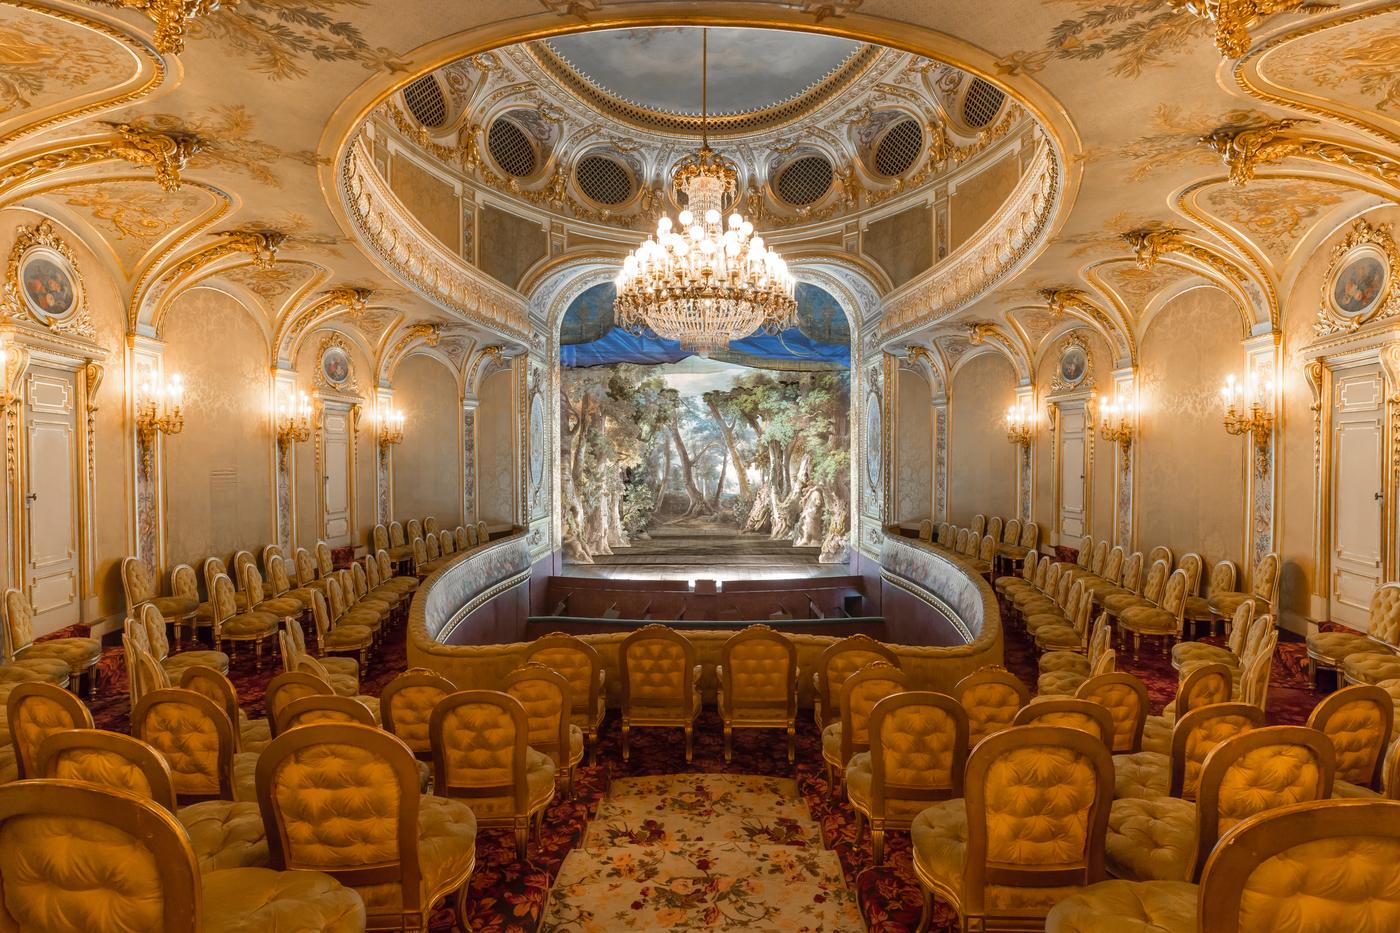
(170, 17)
(76, 320)
(262, 245)
(1232, 18)
(1245, 147)
(1149, 245)
(1378, 241)
(1059, 300)
(165, 153)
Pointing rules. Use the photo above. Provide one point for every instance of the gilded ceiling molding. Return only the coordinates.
(148, 305)
(166, 154)
(427, 334)
(1244, 148)
(1232, 18)
(339, 300)
(1150, 244)
(918, 355)
(981, 333)
(1077, 302)
(169, 16)
(478, 365)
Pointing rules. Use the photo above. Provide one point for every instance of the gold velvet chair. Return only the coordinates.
(1371, 655)
(1041, 595)
(212, 567)
(288, 687)
(660, 684)
(980, 562)
(358, 593)
(472, 538)
(279, 581)
(1061, 672)
(859, 694)
(197, 739)
(80, 654)
(979, 524)
(250, 735)
(1169, 838)
(1073, 634)
(1263, 591)
(545, 696)
(483, 534)
(1028, 832)
(1153, 585)
(481, 753)
(406, 706)
(758, 685)
(1130, 583)
(398, 548)
(1358, 720)
(343, 673)
(393, 596)
(347, 637)
(142, 671)
(1124, 697)
(1195, 735)
(408, 850)
(159, 645)
(1054, 607)
(838, 661)
(35, 711)
(1068, 713)
(1027, 541)
(580, 665)
(1254, 677)
(71, 838)
(918, 750)
(1187, 653)
(1161, 621)
(430, 525)
(238, 627)
(343, 613)
(459, 535)
(107, 759)
(19, 670)
(1201, 685)
(141, 586)
(1223, 577)
(403, 585)
(926, 530)
(1007, 586)
(992, 697)
(185, 582)
(323, 708)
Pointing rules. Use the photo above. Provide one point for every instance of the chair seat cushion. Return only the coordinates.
(249, 625)
(1012, 551)
(1072, 661)
(1059, 683)
(77, 652)
(281, 606)
(1149, 620)
(446, 853)
(173, 606)
(1058, 637)
(831, 745)
(1141, 774)
(1157, 734)
(1028, 604)
(1225, 604)
(376, 604)
(347, 636)
(1115, 603)
(245, 767)
(860, 777)
(254, 735)
(1371, 668)
(1151, 839)
(1198, 652)
(302, 594)
(366, 617)
(177, 664)
(225, 834)
(1127, 907)
(1345, 790)
(1197, 609)
(939, 836)
(1332, 648)
(1037, 621)
(539, 780)
(27, 668)
(239, 899)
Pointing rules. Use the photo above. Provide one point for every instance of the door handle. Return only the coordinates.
(29, 499)
(1379, 497)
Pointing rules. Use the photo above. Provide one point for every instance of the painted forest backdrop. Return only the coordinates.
(766, 452)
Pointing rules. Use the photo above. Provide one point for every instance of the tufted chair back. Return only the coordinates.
(1042, 571)
(1240, 626)
(859, 694)
(36, 710)
(1156, 583)
(1100, 558)
(85, 859)
(994, 525)
(213, 566)
(918, 748)
(386, 566)
(837, 662)
(459, 538)
(107, 759)
(292, 640)
(578, 662)
(926, 530)
(305, 567)
(252, 582)
(1124, 697)
(396, 538)
(991, 697)
(335, 602)
(988, 550)
(1197, 734)
(278, 582)
(1222, 577)
(1132, 572)
(759, 672)
(316, 780)
(221, 601)
(433, 549)
(483, 534)
(960, 543)
(1358, 720)
(1030, 535)
(945, 534)
(288, 687)
(979, 524)
(1283, 864)
(210, 683)
(1068, 713)
(420, 554)
(415, 529)
(656, 664)
(321, 708)
(372, 577)
(1261, 770)
(359, 579)
(1266, 574)
(379, 537)
(447, 542)
(1384, 622)
(1037, 812)
(154, 624)
(1100, 639)
(1205, 685)
(1175, 593)
(406, 705)
(242, 559)
(1254, 677)
(479, 740)
(1085, 556)
(1160, 552)
(544, 695)
(1194, 565)
(325, 564)
(184, 582)
(196, 738)
(1029, 566)
(1012, 533)
(430, 525)
(138, 581)
(145, 673)
(19, 623)
(1113, 566)
(974, 545)
(472, 538)
(1052, 580)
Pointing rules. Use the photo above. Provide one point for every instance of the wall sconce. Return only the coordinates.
(293, 423)
(390, 428)
(1020, 422)
(1256, 419)
(1116, 422)
(158, 412)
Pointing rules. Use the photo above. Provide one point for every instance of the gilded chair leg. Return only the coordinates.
(792, 743)
(522, 837)
(92, 683)
(860, 825)
(877, 844)
(258, 653)
(926, 915)
(689, 744)
(364, 660)
(626, 740)
(728, 743)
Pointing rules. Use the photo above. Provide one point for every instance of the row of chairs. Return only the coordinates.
(424, 546)
(988, 544)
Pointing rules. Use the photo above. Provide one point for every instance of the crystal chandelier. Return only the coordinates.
(699, 282)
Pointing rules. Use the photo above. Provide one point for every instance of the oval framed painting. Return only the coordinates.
(1360, 283)
(335, 366)
(49, 285)
(1074, 365)
(874, 440)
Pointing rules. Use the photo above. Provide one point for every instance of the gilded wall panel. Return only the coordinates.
(495, 452)
(427, 462)
(913, 449)
(981, 464)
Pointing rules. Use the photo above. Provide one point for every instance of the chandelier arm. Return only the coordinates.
(705, 87)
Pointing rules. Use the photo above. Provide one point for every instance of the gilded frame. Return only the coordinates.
(1365, 241)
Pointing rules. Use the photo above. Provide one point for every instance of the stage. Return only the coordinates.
(707, 552)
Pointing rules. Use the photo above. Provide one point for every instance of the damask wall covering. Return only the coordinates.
(495, 443)
(913, 453)
(427, 462)
(981, 468)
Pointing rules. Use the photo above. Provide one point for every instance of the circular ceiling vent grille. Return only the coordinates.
(511, 148)
(981, 103)
(426, 102)
(804, 180)
(899, 148)
(603, 179)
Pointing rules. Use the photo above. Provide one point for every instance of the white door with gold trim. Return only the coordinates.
(50, 498)
(1073, 456)
(336, 476)
(1358, 449)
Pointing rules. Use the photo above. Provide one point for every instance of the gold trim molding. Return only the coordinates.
(169, 17)
(1232, 18)
(166, 154)
(1245, 147)
(1363, 236)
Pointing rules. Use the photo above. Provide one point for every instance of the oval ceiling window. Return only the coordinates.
(426, 102)
(981, 103)
(899, 148)
(603, 179)
(511, 148)
(803, 181)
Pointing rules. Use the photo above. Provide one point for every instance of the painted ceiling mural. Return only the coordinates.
(258, 111)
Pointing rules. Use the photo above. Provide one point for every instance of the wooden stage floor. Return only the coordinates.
(699, 551)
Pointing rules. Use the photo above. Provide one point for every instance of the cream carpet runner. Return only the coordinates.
(702, 852)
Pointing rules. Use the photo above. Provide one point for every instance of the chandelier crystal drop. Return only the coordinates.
(700, 281)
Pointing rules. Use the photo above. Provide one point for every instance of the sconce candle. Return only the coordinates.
(1116, 422)
(293, 422)
(390, 427)
(1256, 420)
(158, 411)
(1020, 423)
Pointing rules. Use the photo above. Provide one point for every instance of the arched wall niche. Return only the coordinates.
(219, 470)
(981, 464)
(428, 461)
